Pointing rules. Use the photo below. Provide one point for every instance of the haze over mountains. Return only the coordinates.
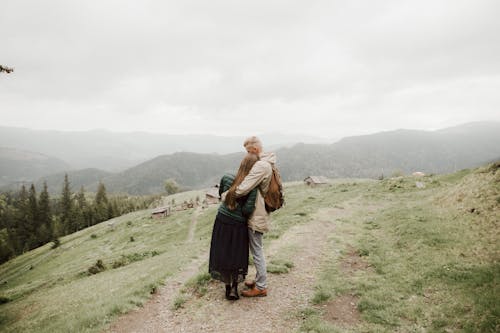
(115, 151)
(384, 153)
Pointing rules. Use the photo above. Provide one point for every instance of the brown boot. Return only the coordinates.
(250, 284)
(254, 292)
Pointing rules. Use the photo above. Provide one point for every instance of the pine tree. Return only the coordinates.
(21, 224)
(6, 245)
(81, 210)
(45, 230)
(67, 218)
(101, 197)
(101, 204)
(32, 220)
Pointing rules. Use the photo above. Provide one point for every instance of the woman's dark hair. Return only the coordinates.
(245, 167)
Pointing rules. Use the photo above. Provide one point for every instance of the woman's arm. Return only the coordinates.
(225, 183)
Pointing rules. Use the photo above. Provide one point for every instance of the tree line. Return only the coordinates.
(29, 220)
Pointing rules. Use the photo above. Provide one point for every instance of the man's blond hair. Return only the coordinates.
(252, 142)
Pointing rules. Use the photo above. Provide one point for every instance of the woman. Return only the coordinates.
(229, 246)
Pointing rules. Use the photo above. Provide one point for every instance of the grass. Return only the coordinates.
(59, 295)
(279, 266)
(196, 286)
(179, 301)
(432, 258)
(433, 265)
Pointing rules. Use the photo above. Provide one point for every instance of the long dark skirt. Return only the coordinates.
(228, 249)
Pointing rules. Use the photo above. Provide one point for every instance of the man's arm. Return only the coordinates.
(258, 172)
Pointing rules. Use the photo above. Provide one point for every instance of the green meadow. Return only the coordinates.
(428, 259)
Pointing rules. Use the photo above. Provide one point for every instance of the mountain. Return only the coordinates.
(405, 151)
(88, 178)
(190, 170)
(19, 165)
(368, 156)
(112, 151)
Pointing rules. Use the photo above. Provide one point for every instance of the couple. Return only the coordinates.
(240, 223)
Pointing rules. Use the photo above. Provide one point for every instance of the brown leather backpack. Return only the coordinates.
(274, 197)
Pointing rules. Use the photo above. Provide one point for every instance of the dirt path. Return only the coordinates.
(150, 317)
(277, 312)
(192, 227)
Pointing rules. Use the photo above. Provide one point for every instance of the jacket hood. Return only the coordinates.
(268, 157)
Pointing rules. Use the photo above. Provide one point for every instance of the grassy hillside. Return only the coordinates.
(427, 259)
(50, 290)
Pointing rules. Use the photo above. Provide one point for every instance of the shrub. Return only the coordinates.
(153, 288)
(321, 296)
(97, 267)
(364, 252)
(4, 300)
(56, 243)
(198, 284)
(133, 257)
(179, 302)
(119, 262)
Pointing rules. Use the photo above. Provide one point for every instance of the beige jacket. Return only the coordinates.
(260, 176)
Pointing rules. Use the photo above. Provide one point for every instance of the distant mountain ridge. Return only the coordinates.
(404, 151)
(367, 156)
(115, 151)
(16, 164)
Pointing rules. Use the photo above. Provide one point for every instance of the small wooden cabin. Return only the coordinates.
(212, 195)
(160, 212)
(315, 180)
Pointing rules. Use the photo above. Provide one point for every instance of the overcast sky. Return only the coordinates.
(323, 68)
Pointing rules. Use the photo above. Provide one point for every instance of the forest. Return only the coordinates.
(29, 220)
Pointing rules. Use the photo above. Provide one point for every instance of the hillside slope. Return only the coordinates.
(396, 256)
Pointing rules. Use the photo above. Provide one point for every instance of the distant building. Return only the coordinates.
(160, 212)
(212, 195)
(315, 180)
(418, 174)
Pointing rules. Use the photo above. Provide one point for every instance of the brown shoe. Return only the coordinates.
(254, 292)
(250, 284)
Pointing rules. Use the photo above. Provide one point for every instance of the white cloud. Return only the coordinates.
(328, 68)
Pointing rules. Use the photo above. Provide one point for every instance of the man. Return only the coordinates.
(258, 223)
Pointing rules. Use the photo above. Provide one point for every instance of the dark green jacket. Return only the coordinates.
(245, 205)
